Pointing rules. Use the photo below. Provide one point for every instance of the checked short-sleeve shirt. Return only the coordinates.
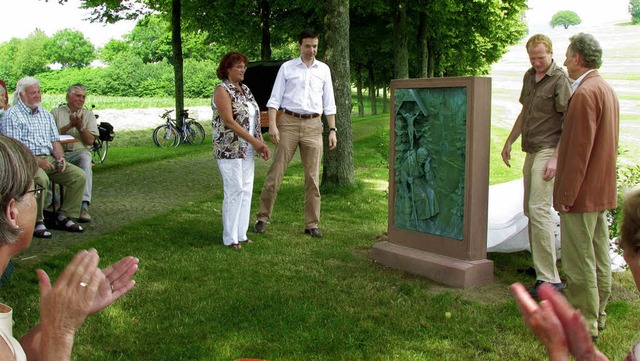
(35, 128)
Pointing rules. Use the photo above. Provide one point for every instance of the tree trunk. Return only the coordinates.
(431, 59)
(338, 163)
(176, 45)
(372, 91)
(359, 89)
(384, 100)
(400, 50)
(423, 50)
(265, 15)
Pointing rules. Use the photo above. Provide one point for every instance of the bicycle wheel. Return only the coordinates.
(166, 136)
(99, 150)
(194, 132)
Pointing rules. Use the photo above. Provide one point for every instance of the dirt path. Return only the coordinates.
(134, 119)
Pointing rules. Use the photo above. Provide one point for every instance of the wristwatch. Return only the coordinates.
(334, 129)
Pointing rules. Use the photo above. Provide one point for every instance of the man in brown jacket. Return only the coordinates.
(585, 185)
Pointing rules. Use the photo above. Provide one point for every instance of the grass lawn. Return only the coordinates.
(286, 296)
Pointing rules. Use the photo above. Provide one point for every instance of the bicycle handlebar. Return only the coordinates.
(183, 115)
(166, 113)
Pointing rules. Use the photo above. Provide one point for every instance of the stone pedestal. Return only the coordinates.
(447, 270)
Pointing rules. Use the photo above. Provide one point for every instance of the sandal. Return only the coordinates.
(68, 225)
(246, 241)
(40, 231)
(235, 246)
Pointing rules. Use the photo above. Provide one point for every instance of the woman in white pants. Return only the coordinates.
(236, 139)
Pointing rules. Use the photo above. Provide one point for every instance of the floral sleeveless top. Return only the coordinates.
(226, 143)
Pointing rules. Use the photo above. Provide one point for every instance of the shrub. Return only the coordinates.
(628, 176)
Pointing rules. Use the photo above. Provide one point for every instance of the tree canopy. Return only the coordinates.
(70, 48)
(634, 10)
(565, 18)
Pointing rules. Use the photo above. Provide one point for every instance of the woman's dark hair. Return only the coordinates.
(228, 61)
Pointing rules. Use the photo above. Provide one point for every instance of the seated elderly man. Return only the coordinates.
(29, 123)
(80, 123)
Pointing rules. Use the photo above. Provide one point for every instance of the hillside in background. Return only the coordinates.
(621, 53)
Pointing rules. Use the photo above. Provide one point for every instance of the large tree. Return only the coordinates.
(24, 57)
(564, 18)
(71, 49)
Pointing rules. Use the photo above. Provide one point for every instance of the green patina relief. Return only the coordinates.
(430, 145)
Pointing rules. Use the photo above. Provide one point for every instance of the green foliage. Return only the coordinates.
(628, 177)
(565, 18)
(634, 10)
(9, 70)
(200, 78)
(475, 34)
(57, 82)
(113, 49)
(150, 39)
(129, 76)
(71, 49)
(24, 57)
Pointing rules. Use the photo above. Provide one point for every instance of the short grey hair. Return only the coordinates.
(588, 48)
(76, 86)
(18, 167)
(22, 85)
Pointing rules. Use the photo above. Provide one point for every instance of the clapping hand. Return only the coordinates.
(116, 283)
(556, 324)
(75, 119)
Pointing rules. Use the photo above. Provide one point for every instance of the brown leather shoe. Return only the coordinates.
(314, 232)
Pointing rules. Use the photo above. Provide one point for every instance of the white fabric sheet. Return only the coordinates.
(507, 225)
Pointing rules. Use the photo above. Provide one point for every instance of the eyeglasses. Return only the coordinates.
(37, 191)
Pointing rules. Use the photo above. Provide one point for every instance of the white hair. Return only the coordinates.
(22, 85)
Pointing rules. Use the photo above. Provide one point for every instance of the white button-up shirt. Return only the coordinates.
(302, 89)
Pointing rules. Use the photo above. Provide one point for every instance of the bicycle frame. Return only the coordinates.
(184, 129)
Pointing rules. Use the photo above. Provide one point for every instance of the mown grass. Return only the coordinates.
(290, 297)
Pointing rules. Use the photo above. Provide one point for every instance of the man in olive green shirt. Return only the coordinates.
(545, 94)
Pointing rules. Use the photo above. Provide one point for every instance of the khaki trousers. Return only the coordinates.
(73, 179)
(586, 263)
(538, 195)
(294, 133)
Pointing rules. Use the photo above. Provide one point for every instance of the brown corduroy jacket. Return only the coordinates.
(586, 171)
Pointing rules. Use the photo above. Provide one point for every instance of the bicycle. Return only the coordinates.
(100, 146)
(178, 131)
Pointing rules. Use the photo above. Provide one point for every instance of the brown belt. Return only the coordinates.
(301, 116)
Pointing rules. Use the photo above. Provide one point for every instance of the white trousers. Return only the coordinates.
(237, 182)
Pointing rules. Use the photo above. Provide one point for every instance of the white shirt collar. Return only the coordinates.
(576, 83)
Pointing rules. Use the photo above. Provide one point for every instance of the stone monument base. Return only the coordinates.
(450, 271)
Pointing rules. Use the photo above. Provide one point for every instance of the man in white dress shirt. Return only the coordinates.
(304, 91)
